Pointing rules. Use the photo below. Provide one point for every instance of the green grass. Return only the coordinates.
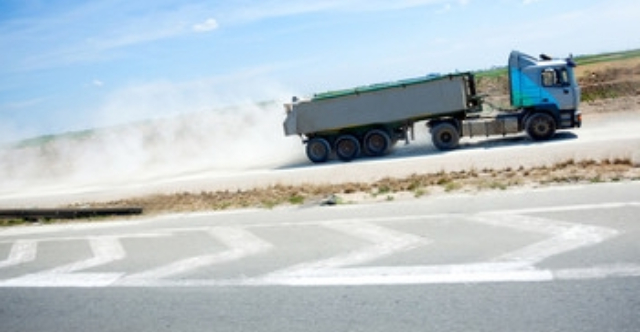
(580, 60)
(491, 73)
(606, 57)
(296, 199)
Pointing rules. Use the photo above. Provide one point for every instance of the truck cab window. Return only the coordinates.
(563, 77)
(555, 77)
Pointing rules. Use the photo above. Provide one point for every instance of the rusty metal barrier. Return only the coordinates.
(68, 213)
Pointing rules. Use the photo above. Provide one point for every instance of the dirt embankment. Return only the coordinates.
(605, 86)
(389, 189)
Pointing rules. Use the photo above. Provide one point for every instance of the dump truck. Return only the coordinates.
(369, 120)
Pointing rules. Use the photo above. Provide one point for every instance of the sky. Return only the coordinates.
(70, 65)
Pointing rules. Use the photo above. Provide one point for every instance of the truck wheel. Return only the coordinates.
(540, 126)
(347, 147)
(376, 142)
(445, 136)
(318, 150)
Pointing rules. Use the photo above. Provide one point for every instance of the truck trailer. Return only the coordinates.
(544, 97)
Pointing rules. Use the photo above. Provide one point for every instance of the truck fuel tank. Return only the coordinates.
(491, 126)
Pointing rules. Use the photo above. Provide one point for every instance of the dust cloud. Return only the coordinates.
(230, 139)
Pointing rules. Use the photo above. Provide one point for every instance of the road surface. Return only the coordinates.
(555, 259)
(603, 137)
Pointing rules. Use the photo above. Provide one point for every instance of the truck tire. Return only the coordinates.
(540, 126)
(347, 147)
(318, 150)
(445, 136)
(376, 142)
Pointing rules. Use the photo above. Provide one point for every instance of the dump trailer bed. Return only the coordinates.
(397, 102)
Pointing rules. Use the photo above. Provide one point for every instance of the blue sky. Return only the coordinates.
(70, 65)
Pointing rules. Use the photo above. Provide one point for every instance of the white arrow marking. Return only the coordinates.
(386, 242)
(240, 242)
(22, 251)
(565, 236)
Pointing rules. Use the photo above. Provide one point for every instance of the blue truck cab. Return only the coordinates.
(544, 89)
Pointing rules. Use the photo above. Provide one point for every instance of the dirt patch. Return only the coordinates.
(389, 189)
(629, 104)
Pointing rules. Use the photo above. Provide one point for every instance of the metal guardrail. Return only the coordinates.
(68, 213)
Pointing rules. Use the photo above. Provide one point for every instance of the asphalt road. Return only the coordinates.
(557, 259)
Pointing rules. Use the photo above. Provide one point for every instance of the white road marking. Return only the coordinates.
(415, 279)
(565, 236)
(566, 208)
(106, 249)
(63, 280)
(385, 241)
(418, 275)
(240, 242)
(598, 272)
(342, 270)
(22, 251)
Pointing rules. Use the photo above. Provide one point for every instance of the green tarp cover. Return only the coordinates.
(375, 87)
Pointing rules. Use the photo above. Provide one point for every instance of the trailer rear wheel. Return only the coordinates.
(540, 126)
(318, 150)
(347, 147)
(376, 142)
(445, 136)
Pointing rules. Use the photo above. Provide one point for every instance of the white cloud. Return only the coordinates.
(208, 25)
(97, 83)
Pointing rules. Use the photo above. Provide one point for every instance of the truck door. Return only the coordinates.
(560, 86)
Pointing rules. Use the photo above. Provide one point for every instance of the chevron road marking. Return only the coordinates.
(22, 251)
(343, 270)
(565, 236)
(240, 242)
(105, 250)
(385, 243)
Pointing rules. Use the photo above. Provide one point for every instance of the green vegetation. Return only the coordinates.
(296, 199)
(581, 60)
(607, 57)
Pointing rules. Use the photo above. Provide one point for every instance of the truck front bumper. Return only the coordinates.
(577, 119)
